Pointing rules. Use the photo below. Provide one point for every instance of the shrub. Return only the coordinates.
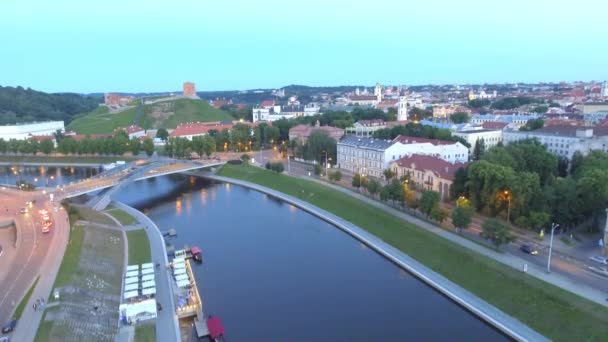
(245, 157)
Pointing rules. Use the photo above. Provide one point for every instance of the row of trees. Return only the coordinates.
(529, 186)
(182, 148)
(117, 145)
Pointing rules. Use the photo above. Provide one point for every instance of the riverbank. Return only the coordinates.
(80, 161)
(553, 312)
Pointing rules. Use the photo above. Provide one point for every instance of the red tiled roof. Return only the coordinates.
(200, 128)
(79, 137)
(267, 103)
(414, 140)
(129, 130)
(438, 166)
(494, 125)
(306, 130)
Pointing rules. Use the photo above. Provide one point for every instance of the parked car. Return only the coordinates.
(9, 326)
(529, 249)
(599, 270)
(599, 259)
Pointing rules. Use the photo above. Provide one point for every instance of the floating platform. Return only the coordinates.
(171, 232)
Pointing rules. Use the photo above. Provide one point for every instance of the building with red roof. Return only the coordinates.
(300, 133)
(132, 131)
(427, 172)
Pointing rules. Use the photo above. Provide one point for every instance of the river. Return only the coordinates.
(274, 272)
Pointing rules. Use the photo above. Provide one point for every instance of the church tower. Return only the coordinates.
(378, 92)
(605, 89)
(402, 108)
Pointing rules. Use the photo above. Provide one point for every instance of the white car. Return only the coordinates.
(599, 259)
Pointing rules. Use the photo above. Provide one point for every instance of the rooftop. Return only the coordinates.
(366, 143)
(415, 140)
(438, 166)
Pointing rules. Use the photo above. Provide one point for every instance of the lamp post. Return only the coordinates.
(553, 226)
(508, 195)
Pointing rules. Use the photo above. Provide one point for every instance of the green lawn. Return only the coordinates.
(24, 300)
(169, 114)
(558, 314)
(71, 258)
(139, 247)
(62, 159)
(92, 215)
(145, 333)
(101, 121)
(44, 329)
(123, 217)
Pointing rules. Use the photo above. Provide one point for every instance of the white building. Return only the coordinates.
(604, 89)
(564, 140)
(26, 130)
(270, 112)
(371, 156)
(482, 95)
(490, 137)
(514, 121)
(366, 128)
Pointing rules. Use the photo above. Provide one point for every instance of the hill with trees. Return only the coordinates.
(166, 114)
(26, 105)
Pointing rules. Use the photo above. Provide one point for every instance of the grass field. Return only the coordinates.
(139, 247)
(24, 300)
(71, 258)
(169, 114)
(123, 217)
(101, 121)
(145, 333)
(62, 159)
(558, 314)
(91, 215)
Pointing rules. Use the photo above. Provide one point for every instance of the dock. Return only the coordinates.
(170, 233)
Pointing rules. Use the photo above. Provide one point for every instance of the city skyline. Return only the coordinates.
(118, 47)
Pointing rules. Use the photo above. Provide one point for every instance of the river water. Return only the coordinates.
(274, 272)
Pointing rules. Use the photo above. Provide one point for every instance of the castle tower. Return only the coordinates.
(402, 108)
(189, 89)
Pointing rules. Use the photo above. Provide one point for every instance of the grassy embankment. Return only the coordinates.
(24, 300)
(139, 247)
(165, 114)
(100, 121)
(558, 314)
(123, 217)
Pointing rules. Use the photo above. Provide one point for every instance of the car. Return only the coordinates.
(529, 249)
(46, 217)
(9, 326)
(599, 270)
(23, 210)
(599, 259)
(43, 211)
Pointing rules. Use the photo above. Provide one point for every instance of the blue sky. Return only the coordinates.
(152, 45)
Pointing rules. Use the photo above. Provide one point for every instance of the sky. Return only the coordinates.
(156, 45)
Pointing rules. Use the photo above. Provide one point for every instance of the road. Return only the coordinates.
(31, 248)
(571, 265)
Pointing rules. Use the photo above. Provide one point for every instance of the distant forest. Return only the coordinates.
(26, 105)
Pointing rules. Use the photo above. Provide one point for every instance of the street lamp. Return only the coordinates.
(553, 226)
(508, 196)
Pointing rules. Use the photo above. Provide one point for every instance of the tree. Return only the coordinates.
(462, 217)
(148, 147)
(480, 147)
(428, 201)
(540, 109)
(356, 182)
(335, 176)
(458, 187)
(162, 134)
(135, 146)
(459, 118)
(208, 145)
(576, 162)
(533, 124)
(46, 146)
(497, 232)
(439, 214)
(373, 187)
(562, 166)
(389, 174)
(537, 220)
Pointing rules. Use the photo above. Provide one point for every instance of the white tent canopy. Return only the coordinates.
(147, 277)
(131, 287)
(132, 280)
(139, 311)
(132, 274)
(183, 283)
(131, 294)
(147, 271)
(149, 291)
(147, 265)
(149, 283)
(132, 268)
(181, 277)
(179, 271)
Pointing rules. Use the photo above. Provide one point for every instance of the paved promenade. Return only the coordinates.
(491, 314)
(167, 326)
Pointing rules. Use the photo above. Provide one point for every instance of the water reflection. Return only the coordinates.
(43, 176)
(273, 272)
